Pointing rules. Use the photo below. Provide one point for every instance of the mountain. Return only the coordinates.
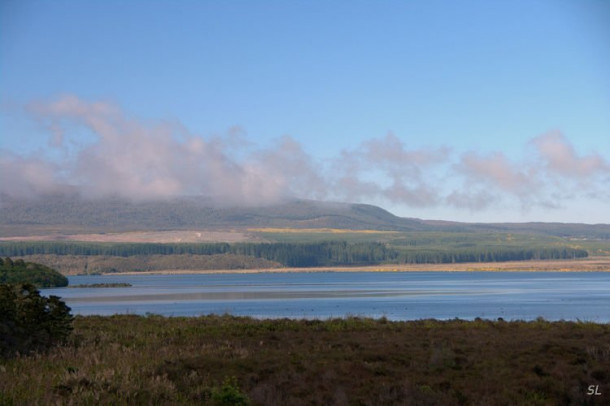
(65, 213)
(566, 230)
(71, 214)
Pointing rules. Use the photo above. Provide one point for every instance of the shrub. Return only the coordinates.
(229, 394)
(30, 322)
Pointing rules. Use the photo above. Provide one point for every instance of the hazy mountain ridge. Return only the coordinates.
(70, 214)
(114, 214)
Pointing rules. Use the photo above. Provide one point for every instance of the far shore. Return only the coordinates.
(591, 264)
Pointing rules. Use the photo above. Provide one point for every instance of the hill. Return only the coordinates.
(69, 214)
(564, 230)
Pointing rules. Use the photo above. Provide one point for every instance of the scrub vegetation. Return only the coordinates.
(216, 360)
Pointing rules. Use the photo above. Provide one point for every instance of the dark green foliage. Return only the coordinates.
(98, 264)
(497, 254)
(30, 322)
(22, 248)
(19, 271)
(229, 394)
(312, 254)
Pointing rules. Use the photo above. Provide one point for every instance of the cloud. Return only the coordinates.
(140, 160)
(403, 175)
(292, 168)
(26, 177)
(495, 170)
(556, 174)
(391, 152)
(571, 175)
(559, 157)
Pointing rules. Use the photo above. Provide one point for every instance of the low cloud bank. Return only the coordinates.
(143, 160)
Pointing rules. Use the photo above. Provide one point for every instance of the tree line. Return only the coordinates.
(328, 253)
(497, 254)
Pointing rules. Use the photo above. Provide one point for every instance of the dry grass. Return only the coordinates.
(174, 236)
(155, 360)
(319, 231)
(590, 264)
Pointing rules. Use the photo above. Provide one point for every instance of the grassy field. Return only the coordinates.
(590, 264)
(410, 240)
(173, 236)
(306, 248)
(228, 360)
(431, 240)
(296, 235)
(594, 247)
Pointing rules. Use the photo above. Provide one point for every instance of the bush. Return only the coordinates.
(30, 322)
(229, 394)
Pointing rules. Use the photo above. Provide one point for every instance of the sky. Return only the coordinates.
(486, 111)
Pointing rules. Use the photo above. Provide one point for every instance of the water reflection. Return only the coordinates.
(400, 295)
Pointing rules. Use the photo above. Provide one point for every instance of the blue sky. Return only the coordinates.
(470, 110)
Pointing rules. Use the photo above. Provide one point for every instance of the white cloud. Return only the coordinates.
(26, 177)
(133, 159)
(155, 160)
(406, 173)
(497, 171)
(560, 157)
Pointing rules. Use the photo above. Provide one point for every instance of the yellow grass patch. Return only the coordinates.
(318, 230)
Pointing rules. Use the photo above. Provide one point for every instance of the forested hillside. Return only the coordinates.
(19, 271)
(327, 253)
(70, 214)
(295, 234)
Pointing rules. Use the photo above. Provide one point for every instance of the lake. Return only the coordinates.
(396, 295)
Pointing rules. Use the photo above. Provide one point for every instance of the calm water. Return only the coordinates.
(397, 296)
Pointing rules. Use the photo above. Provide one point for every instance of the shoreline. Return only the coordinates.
(592, 264)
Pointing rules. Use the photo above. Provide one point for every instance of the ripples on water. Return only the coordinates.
(395, 295)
